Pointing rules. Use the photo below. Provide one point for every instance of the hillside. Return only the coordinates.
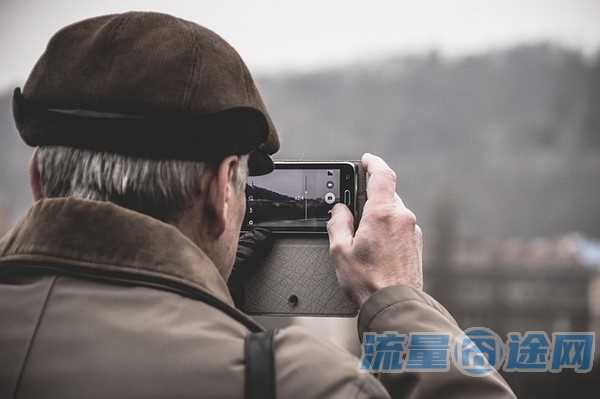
(509, 139)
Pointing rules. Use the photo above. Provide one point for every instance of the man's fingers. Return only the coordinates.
(341, 229)
(381, 183)
(399, 200)
(419, 234)
(255, 243)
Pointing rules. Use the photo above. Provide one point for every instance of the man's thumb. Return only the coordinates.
(340, 228)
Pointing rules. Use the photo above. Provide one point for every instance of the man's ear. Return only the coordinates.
(220, 194)
(34, 177)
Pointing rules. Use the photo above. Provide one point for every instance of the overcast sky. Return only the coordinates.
(275, 35)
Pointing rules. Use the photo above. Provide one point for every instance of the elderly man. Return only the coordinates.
(114, 283)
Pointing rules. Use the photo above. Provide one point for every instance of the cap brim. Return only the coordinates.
(206, 137)
(259, 163)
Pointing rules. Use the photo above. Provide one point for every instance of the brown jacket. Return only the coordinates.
(99, 332)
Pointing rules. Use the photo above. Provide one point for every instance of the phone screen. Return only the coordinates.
(297, 197)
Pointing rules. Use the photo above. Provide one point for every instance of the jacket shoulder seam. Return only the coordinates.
(390, 305)
(360, 388)
(361, 383)
(33, 336)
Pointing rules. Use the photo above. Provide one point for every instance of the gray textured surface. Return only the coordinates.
(300, 267)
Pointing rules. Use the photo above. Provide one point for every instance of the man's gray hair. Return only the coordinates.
(163, 189)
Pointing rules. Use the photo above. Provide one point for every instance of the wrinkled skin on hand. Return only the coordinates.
(386, 248)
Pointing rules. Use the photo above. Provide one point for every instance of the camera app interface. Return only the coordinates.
(292, 199)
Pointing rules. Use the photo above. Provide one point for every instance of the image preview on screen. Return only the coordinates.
(292, 198)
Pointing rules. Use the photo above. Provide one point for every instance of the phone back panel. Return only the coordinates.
(297, 278)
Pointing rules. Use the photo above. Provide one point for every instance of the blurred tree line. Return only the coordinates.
(508, 139)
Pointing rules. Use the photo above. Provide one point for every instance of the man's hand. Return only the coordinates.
(387, 247)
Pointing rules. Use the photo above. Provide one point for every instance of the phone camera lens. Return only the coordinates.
(293, 300)
(330, 198)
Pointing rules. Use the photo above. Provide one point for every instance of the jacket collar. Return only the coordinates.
(105, 236)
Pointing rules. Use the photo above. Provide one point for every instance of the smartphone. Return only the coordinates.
(297, 196)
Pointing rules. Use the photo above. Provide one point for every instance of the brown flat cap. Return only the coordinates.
(149, 85)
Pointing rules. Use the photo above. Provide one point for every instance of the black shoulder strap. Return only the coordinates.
(260, 365)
